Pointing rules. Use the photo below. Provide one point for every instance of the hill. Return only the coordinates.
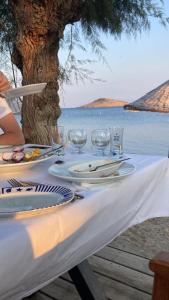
(155, 100)
(105, 102)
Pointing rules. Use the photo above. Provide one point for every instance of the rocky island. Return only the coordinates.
(105, 102)
(156, 100)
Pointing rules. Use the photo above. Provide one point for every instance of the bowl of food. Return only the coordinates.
(95, 168)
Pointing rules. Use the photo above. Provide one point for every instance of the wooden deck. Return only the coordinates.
(121, 267)
(123, 275)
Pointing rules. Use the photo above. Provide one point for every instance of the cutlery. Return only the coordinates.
(6, 147)
(49, 151)
(94, 168)
(26, 147)
(59, 162)
(16, 183)
(35, 146)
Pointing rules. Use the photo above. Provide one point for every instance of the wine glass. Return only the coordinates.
(62, 139)
(57, 137)
(100, 139)
(77, 138)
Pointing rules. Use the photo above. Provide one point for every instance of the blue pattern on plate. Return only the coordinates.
(64, 191)
(20, 189)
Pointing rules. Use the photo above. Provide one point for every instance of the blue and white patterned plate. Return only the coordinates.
(27, 201)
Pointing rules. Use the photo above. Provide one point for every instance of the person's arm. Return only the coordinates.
(12, 132)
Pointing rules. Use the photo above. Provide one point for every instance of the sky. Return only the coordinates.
(135, 67)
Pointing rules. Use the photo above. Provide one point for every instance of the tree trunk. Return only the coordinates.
(40, 26)
(41, 110)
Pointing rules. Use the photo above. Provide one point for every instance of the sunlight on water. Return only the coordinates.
(144, 132)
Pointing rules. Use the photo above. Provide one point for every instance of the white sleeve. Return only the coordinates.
(4, 108)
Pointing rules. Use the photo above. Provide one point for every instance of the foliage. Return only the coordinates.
(7, 25)
(74, 69)
(107, 16)
(7, 36)
(96, 16)
(115, 17)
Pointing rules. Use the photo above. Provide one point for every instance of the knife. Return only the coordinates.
(49, 151)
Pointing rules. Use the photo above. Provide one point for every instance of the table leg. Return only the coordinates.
(86, 282)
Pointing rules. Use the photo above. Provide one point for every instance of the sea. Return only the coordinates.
(144, 132)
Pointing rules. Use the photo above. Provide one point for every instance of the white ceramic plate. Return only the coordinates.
(25, 90)
(104, 168)
(27, 203)
(18, 167)
(5, 146)
(62, 172)
(6, 167)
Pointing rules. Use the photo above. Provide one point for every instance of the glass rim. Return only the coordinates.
(100, 129)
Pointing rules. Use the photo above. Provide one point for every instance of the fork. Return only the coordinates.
(16, 183)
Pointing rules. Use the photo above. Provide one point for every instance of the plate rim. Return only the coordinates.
(111, 166)
(26, 162)
(34, 210)
(26, 146)
(89, 179)
(23, 87)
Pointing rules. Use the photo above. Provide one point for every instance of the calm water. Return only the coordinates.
(144, 132)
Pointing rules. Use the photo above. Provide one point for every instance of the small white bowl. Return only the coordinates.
(83, 170)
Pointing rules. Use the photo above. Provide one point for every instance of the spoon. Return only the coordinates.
(94, 168)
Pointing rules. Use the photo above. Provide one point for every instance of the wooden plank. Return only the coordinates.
(126, 259)
(38, 296)
(128, 248)
(86, 282)
(123, 274)
(145, 239)
(61, 289)
(116, 270)
(114, 290)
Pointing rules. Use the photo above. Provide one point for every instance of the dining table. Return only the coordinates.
(36, 249)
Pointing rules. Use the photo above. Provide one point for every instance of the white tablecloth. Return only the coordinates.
(36, 250)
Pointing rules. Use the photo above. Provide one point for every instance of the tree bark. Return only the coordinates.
(40, 26)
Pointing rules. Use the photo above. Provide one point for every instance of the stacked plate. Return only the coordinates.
(92, 171)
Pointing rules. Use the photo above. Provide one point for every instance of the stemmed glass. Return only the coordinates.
(57, 137)
(77, 138)
(62, 139)
(100, 139)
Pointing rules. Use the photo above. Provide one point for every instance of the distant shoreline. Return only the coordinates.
(104, 103)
